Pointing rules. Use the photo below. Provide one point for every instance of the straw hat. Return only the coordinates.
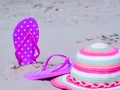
(96, 67)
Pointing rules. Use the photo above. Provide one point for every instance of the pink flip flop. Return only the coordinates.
(25, 37)
(56, 70)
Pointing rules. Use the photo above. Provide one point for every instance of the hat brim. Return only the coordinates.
(61, 82)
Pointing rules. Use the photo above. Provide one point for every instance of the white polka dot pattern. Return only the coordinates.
(20, 33)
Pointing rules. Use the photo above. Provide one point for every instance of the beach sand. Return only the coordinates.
(65, 27)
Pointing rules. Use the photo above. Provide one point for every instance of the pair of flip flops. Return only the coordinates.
(25, 37)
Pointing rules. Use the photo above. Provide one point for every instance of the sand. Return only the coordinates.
(65, 27)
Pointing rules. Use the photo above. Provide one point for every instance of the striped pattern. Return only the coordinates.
(99, 50)
(97, 63)
(94, 77)
(102, 62)
(98, 60)
(94, 85)
(64, 83)
(94, 70)
(96, 66)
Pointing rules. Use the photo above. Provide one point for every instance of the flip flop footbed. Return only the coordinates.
(21, 31)
(48, 73)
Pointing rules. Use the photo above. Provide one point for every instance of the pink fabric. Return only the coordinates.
(108, 66)
(78, 83)
(111, 51)
(55, 82)
(92, 85)
(97, 71)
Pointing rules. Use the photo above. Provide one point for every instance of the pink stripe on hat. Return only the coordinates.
(97, 71)
(90, 52)
(108, 66)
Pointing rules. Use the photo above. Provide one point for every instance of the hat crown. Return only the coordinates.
(98, 63)
(99, 45)
(99, 49)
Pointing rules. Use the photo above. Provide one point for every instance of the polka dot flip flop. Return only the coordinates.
(25, 37)
(53, 71)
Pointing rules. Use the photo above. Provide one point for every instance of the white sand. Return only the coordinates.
(65, 27)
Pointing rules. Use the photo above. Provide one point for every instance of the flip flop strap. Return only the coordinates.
(35, 44)
(47, 61)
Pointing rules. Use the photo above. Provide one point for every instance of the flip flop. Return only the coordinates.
(25, 38)
(56, 70)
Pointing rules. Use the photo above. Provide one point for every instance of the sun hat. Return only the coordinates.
(96, 67)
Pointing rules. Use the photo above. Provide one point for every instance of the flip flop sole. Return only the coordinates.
(46, 74)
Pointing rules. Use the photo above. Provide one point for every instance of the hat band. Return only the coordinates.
(85, 84)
